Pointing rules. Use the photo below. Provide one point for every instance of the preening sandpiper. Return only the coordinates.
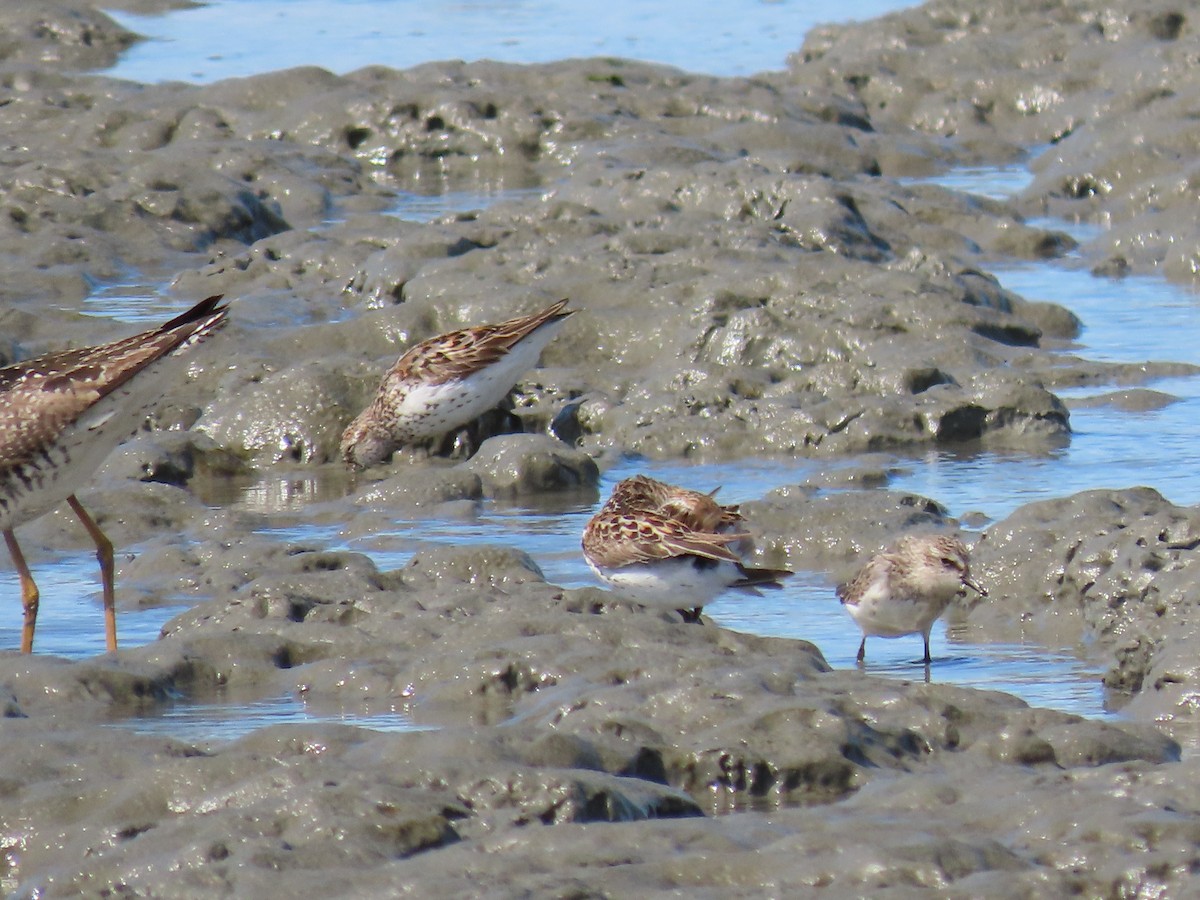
(447, 381)
(669, 547)
(61, 414)
(904, 589)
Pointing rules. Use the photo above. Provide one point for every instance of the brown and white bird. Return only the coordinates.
(669, 547)
(904, 589)
(447, 381)
(697, 510)
(62, 413)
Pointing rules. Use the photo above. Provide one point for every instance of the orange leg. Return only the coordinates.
(104, 554)
(29, 591)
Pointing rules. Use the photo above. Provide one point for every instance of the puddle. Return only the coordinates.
(807, 610)
(429, 207)
(806, 607)
(995, 182)
(220, 722)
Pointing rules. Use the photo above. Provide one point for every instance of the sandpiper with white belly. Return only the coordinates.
(670, 547)
(447, 381)
(904, 589)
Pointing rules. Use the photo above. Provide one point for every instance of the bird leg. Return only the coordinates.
(29, 590)
(104, 555)
(862, 649)
(928, 659)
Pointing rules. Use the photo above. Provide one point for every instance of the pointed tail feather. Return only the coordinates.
(765, 578)
(205, 307)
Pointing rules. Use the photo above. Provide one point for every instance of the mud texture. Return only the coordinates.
(752, 277)
(1106, 91)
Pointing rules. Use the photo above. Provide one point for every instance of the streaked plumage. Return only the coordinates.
(701, 512)
(669, 547)
(904, 589)
(61, 414)
(447, 381)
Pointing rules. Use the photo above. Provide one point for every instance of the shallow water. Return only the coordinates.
(223, 38)
(1127, 320)
(70, 618)
(216, 722)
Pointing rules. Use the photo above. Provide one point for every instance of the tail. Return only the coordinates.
(760, 578)
(553, 313)
(509, 333)
(556, 310)
(113, 365)
(206, 307)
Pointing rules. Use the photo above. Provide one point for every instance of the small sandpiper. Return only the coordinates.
(447, 381)
(904, 589)
(699, 511)
(61, 414)
(670, 547)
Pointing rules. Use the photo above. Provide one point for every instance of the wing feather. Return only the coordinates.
(42, 396)
(457, 354)
(616, 539)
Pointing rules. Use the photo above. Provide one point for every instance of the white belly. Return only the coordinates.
(670, 583)
(882, 615)
(428, 410)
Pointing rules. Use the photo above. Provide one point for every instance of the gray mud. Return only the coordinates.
(750, 280)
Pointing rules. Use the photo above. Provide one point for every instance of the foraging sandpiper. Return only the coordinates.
(447, 381)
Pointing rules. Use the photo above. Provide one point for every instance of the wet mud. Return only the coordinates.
(751, 279)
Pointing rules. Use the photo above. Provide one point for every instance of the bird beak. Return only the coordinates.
(968, 581)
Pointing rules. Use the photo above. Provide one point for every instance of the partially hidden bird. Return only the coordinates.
(62, 413)
(447, 381)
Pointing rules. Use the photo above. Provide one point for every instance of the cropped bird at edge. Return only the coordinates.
(446, 382)
(669, 547)
(62, 413)
(904, 589)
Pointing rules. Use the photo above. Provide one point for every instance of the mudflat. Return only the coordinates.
(750, 279)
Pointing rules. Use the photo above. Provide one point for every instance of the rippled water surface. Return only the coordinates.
(220, 721)
(1127, 320)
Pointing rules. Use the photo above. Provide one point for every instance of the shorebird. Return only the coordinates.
(699, 511)
(61, 414)
(669, 547)
(447, 381)
(904, 589)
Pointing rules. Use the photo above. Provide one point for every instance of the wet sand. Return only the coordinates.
(750, 280)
